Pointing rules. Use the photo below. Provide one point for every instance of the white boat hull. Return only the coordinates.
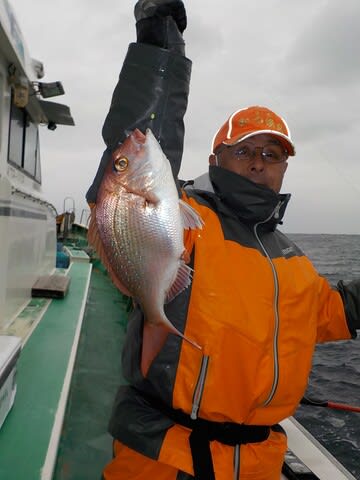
(312, 454)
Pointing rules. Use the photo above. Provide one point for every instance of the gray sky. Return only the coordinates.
(299, 58)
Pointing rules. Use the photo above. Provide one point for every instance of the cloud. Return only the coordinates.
(324, 54)
(317, 74)
(295, 57)
(204, 42)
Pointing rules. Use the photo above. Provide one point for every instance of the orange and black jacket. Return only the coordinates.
(256, 304)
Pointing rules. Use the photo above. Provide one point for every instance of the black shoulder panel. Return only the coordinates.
(276, 243)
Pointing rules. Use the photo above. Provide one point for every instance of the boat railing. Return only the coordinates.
(72, 204)
(85, 215)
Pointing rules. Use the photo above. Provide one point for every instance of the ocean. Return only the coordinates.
(336, 367)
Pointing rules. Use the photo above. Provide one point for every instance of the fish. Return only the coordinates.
(137, 227)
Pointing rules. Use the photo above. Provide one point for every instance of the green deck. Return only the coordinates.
(85, 446)
(44, 374)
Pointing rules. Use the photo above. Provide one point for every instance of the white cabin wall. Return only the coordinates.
(28, 250)
(27, 225)
(5, 100)
(5, 190)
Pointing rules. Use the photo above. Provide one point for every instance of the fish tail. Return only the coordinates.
(177, 332)
(172, 329)
(154, 338)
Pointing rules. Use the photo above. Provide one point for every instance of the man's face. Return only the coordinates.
(253, 158)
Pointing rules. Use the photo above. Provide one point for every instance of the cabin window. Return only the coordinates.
(30, 147)
(16, 137)
(38, 165)
(24, 143)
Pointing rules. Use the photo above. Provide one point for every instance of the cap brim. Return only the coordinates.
(285, 141)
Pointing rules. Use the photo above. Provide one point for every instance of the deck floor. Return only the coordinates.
(50, 333)
(85, 446)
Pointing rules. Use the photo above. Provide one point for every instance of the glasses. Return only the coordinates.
(270, 153)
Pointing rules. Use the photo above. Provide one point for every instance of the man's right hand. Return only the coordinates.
(162, 8)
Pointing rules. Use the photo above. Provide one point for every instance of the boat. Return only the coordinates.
(56, 384)
(27, 226)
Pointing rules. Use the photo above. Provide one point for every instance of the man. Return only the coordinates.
(256, 304)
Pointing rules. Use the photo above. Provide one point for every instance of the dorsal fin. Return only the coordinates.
(189, 216)
(95, 240)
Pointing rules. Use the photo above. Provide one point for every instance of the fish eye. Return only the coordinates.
(121, 164)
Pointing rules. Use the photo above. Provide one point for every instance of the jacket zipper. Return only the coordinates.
(199, 389)
(274, 214)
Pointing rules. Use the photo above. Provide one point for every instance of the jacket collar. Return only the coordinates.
(240, 197)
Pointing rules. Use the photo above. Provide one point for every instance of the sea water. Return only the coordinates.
(336, 367)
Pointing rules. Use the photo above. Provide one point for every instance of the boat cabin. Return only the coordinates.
(27, 219)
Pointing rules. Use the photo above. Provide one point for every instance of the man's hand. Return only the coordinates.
(162, 8)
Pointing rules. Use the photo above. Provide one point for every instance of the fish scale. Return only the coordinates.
(141, 250)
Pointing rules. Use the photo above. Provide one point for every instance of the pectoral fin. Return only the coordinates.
(190, 217)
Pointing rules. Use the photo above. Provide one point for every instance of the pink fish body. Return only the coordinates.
(137, 228)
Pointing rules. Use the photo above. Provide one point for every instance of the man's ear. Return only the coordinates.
(213, 161)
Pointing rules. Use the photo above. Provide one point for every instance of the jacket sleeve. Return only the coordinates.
(152, 92)
(339, 311)
(350, 295)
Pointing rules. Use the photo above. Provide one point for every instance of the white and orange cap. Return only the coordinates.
(251, 121)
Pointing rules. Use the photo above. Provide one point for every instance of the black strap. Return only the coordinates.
(205, 431)
(201, 456)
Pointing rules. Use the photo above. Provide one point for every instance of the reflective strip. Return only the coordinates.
(199, 387)
(17, 212)
(274, 214)
(236, 462)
